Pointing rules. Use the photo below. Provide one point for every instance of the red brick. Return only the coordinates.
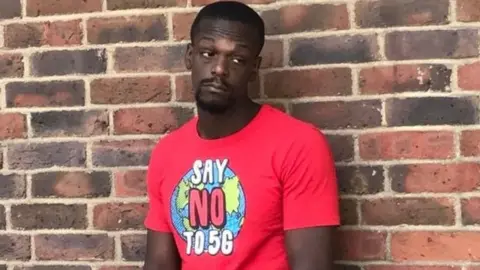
(384, 13)
(468, 78)
(435, 246)
(256, 2)
(133, 247)
(360, 180)
(70, 123)
(404, 78)
(182, 23)
(130, 90)
(120, 268)
(49, 216)
(127, 29)
(130, 183)
(45, 94)
(360, 245)
(74, 247)
(10, 9)
(441, 178)
(51, 7)
(66, 62)
(470, 143)
(150, 59)
(142, 4)
(11, 65)
(301, 18)
(333, 49)
(468, 10)
(411, 267)
(150, 120)
(471, 211)
(72, 184)
(12, 186)
(29, 156)
(56, 33)
(15, 247)
(413, 211)
(183, 88)
(454, 44)
(272, 54)
(12, 125)
(122, 153)
(340, 114)
(406, 144)
(308, 83)
(121, 216)
(53, 267)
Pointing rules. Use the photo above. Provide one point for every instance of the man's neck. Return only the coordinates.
(214, 126)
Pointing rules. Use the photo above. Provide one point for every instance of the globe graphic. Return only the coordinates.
(234, 204)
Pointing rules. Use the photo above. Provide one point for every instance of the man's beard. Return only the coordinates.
(213, 108)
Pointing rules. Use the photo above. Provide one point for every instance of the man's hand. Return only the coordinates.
(310, 248)
(161, 252)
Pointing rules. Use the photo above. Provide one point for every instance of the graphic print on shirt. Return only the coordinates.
(208, 208)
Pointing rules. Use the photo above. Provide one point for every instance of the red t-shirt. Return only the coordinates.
(228, 201)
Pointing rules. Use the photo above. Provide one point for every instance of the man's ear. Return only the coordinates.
(188, 56)
(258, 63)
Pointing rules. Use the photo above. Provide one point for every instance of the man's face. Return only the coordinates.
(223, 59)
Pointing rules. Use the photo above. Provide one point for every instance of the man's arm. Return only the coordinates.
(161, 252)
(310, 203)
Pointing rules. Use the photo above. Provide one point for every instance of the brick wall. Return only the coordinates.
(87, 87)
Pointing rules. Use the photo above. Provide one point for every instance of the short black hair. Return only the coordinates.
(233, 11)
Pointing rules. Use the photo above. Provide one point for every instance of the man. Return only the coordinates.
(242, 186)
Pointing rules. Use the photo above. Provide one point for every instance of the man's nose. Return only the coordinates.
(220, 67)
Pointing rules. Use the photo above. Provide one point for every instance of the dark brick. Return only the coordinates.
(150, 59)
(360, 179)
(248, 2)
(348, 212)
(339, 266)
(12, 186)
(470, 211)
(150, 120)
(342, 147)
(3, 222)
(409, 267)
(308, 83)
(12, 125)
(133, 247)
(404, 78)
(300, 18)
(74, 247)
(441, 44)
(272, 54)
(385, 13)
(406, 145)
(333, 49)
(52, 7)
(131, 90)
(130, 183)
(57, 33)
(49, 216)
(52, 267)
(412, 211)
(127, 29)
(470, 143)
(142, 4)
(360, 245)
(10, 9)
(432, 111)
(46, 155)
(468, 10)
(340, 114)
(11, 65)
(72, 184)
(4, 267)
(122, 153)
(120, 268)
(92, 61)
(45, 94)
(183, 88)
(123, 216)
(15, 247)
(70, 123)
(438, 178)
(468, 78)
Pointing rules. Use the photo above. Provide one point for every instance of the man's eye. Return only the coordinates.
(238, 60)
(206, 54)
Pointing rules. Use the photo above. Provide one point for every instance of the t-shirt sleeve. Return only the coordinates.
(310, 193)
(156, 218)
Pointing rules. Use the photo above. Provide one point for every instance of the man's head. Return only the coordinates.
(226, 40)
